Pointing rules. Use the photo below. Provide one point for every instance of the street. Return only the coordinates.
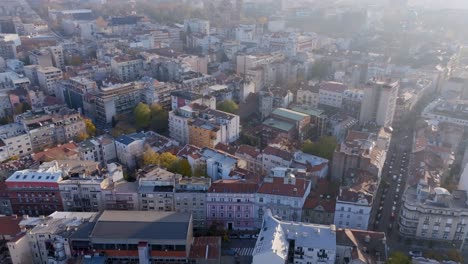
(394, 177)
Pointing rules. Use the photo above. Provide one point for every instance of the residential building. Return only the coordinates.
(82, 194)
(361, 246)
(308, 96)
(272, 98)
(203, 133)
(15, 141)
(100, 149)
(120, 195)
(273, 157)
(112, 100)
(331, 94)
(360, 150)
(144, 236)
(219, 164)
(272, 128)
(379, 101)
(434, 214)
(51, 125)
(126, 68)
(452, 112)
(183, 98)
(48, 78)
(252, 156)
(190, 197)
(352, 102)
(314, 165)
(7, 49)
(42, 58)
(178, 122)
(48, 237)
(156, 189)
(129, 148)
(319, 209)
(195, 25)
(73, 90)
(67, 151)
(35, 192)
(355, 199)
(284, 196)
(5, 203)
(231, 204)
(311, 243)
(340, 124)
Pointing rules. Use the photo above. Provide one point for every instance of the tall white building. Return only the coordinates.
(16, 141)
(379, 102)
(47, 78)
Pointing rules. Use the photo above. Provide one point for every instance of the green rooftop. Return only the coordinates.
(290, 114)
(309, 111)
(278, 124)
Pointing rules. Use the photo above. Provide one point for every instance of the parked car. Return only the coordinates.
(245, 236)
(233, 236)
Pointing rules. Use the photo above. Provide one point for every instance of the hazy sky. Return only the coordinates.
(452, 4)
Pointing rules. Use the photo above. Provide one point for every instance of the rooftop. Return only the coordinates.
(289, 114)
(333, 87)
(142, 225)
(278, 124)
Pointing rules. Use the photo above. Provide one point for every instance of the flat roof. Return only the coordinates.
(283, 112)
(278, 124)
(309, 111)
(142, 225)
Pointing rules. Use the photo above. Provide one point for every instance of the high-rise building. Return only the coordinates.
(379, 101)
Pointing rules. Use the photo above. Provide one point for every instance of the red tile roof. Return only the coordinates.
(189, 150)
(62, 152)
(285, 155)
(226, 148)
(205, 248)
(233, 186)
(278, 187)
(248, 150)
(333, 87)
(9, 225)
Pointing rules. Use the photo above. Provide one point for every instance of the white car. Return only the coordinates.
(393, 208)
(394, 177)
(397, 190)
(399, 180)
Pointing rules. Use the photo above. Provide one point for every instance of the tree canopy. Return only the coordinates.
(228, 106)
(142, 114)
(159, 118)
(323, 148)
(182, 167)
(90, 127)
(166, 160)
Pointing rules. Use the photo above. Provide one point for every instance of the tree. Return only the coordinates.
(200, 170)
(90, 127)
(182, 167)
(81, 136)
(150, 157)
(324, 147)
(167, 159)
(398, 258)
(228, 106)
(142, 115)
(159, 119)
(455, 255)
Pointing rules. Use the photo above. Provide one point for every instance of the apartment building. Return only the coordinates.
(252, 156)
(52, 125)
(48, 78)
(273, 157)
(231, 204)
(73, 90)
(35, 192)
(126, 68)
(15, 141)
(355, 199)
(7, 49)
(129, 148)
(219, 164)
(284, 196)
(40, 57)
(112, 100)
(379, 101)
(190, 197)
(331, 94)
(82, 193)
(100, 149)
(194, 25)
(308, 96)
(318, 119)
(434, 214)
(361, 150)
(156, 189)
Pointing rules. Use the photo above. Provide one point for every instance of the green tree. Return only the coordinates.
(324, 147)
(200, 170)
(182, 167)
(398, 258)
(159, 119)
(142, 114)
(90, 127)
(228, 106)
(150, 157)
